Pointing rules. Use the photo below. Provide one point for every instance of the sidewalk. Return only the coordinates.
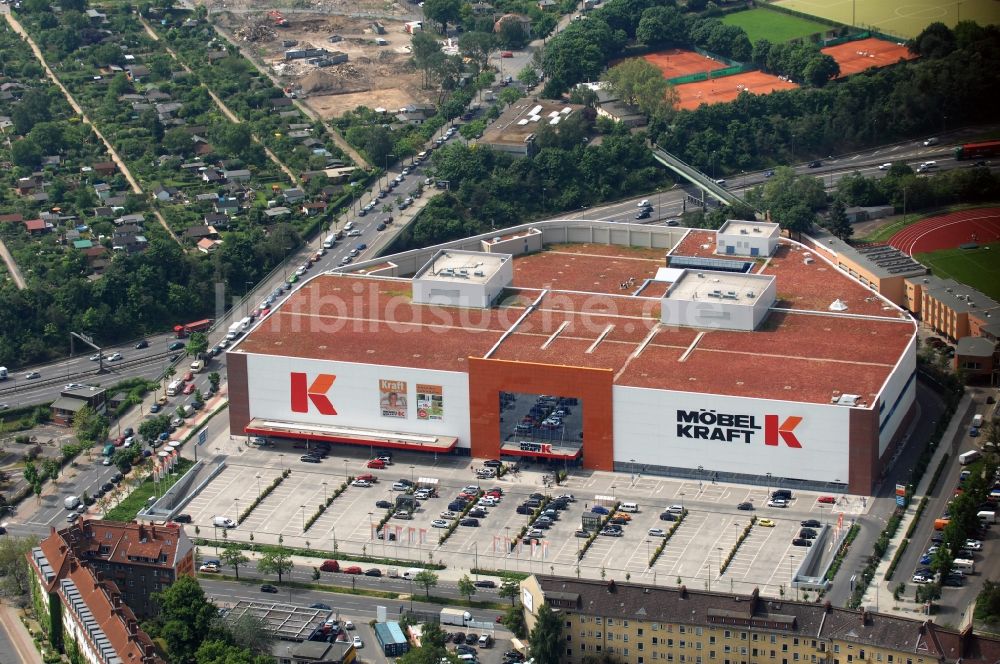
(879, 592)
(15, 642)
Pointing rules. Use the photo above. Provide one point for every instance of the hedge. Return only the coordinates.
(263, 494)
(736, 547)
(896, 558)
(670, 533)
(594, 535)
(454, 524)
(322, 507)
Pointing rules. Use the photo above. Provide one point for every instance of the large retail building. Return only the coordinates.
(732, 354)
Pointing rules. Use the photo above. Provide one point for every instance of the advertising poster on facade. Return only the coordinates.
(430, 402)
(392, 397)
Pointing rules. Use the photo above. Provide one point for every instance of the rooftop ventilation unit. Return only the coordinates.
(756, 230)
(479, 273)
(838, 305)
(751, 294)
(743, 231)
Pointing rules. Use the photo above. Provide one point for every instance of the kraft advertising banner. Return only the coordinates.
(430, 402)
(392, 398)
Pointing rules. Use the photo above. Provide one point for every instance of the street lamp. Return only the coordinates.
(632, 461)
(303, 517)
(476, 547)
(371, 525)
(791, 577)
(324, 494)
(386, 169)
(411, 473)
(346, 475)
(769, 484)
(701, 474)
(281, 461)
(719, 549)
(237, 501)
(258, 485)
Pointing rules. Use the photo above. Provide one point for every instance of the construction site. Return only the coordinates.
(333, 62)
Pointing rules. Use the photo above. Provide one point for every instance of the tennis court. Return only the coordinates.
(727, 88)
(676, 62)
(905, 18)
(857, 56)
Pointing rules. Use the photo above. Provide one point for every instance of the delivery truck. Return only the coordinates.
(234, 330)
(451, 616)
(969, 457)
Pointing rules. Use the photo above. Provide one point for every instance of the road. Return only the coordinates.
(954, 601)
(12, 268)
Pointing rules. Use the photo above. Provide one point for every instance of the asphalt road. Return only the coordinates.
(954, 601)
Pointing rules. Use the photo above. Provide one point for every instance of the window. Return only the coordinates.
(836, 648)
(861, 654)
(569, 638)
(625, 623)
(697, 645)
(625, 638)
(784, 647)
(727, 649)
(774, 639)
(640, 661)
(697, 630)
(711, 654)
(753, 637)
(611, 622)
(795, 641)
(681, 629)
(772, 654)
(597, 635)
(641, 645)
(683, 658)
(743, 636)
(655, 641)
(711, 640)
(889, 658)
(727, 634)
(697, 660)
(795, 657)
(681, 644)
(625, 652)
(639, 631)
(568, 624)
(850, 658)
(753, 652)
(597, 620)
(670, 642)
(670, 656)
(878, 657)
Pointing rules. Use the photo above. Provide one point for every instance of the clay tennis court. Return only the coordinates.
(676, 62)
(949, 231)
(727, 88)
(857, 56)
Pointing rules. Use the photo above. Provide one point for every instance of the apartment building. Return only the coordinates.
(140, 558)
(79, 606)
(646, 625)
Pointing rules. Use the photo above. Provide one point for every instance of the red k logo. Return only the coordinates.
(303, 393)
(772, 430)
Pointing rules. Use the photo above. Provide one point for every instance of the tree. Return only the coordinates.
(50, 468)
(251, 632)
(186, 618)
(638, 82)
(234, 557)
(661, 26)
(546, 640)
(509, 587)
(512, 34)
(197, 344)
(466, 587)
(513, 619)
(427, 579)
(214, 379)
(444, 12)
(838, 223)
(275, 561)
(528, 76)
(89, 426)
(25, 152)
(31, 473)
(477, 46)
(15, 575)
(936, 41)
(988, 603)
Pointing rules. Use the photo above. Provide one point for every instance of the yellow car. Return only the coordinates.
(622, 515)
(767, 523)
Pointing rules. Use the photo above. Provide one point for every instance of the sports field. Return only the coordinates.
(676, 62)
(776, 27)
(903, 18)
(979, 268)
(863, 54)
(727, 88)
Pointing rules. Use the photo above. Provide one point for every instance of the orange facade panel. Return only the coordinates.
(489, 377)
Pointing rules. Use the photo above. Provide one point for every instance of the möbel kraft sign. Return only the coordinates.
(704, 424)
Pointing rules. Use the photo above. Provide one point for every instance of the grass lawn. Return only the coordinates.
(136, 500)
(979, 268)
(905, 18)
(771, 25)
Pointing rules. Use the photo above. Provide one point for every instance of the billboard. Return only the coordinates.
(430, 402)
(731, 434)
(392, 398)
(365, 396)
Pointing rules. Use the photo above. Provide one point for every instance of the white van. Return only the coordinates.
(174, 388)
(329, 241)
(467, 657)
(977, 419)
(964, 564)
(197, 366)
(965, 458)
(412, 572)
(629, 507)
(71, 503)
(987, 517)
(223, 522)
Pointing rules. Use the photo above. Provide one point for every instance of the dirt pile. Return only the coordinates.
(332, 79)
(255, 30)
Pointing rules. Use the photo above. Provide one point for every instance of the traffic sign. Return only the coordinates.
(202, 436)
(901, 501)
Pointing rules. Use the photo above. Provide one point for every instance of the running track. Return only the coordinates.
(949, 231)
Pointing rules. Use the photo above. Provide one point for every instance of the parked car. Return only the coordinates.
(471, 522)
(353, 569)
(657, 532)
(826, 500)
(372, 571)
(598, 509)
(439, 523)
(668, 516)
(810, 523)
(745, 506)
(777, 502)
(766, 523)
(799, 541)
(268, 588)
(485, 583)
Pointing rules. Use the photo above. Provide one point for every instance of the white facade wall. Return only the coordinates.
(717, 313)
(897, 396)
(648, 427)
(73, 631)
(357, 397)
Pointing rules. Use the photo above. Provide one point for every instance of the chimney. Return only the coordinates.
(133, 627)
(611, 586)
(865, 616)
(827, 607)
(116, 600)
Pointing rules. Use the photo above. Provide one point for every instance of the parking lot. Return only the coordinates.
(694, 552)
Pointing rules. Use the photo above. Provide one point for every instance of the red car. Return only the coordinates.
(353, 569)
(377, 464)
(188, 377)
(330, 566)
(367, 477)
(826, 500)
(189, 388)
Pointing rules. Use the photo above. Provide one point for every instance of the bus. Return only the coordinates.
(978, 150)
(182, 331)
